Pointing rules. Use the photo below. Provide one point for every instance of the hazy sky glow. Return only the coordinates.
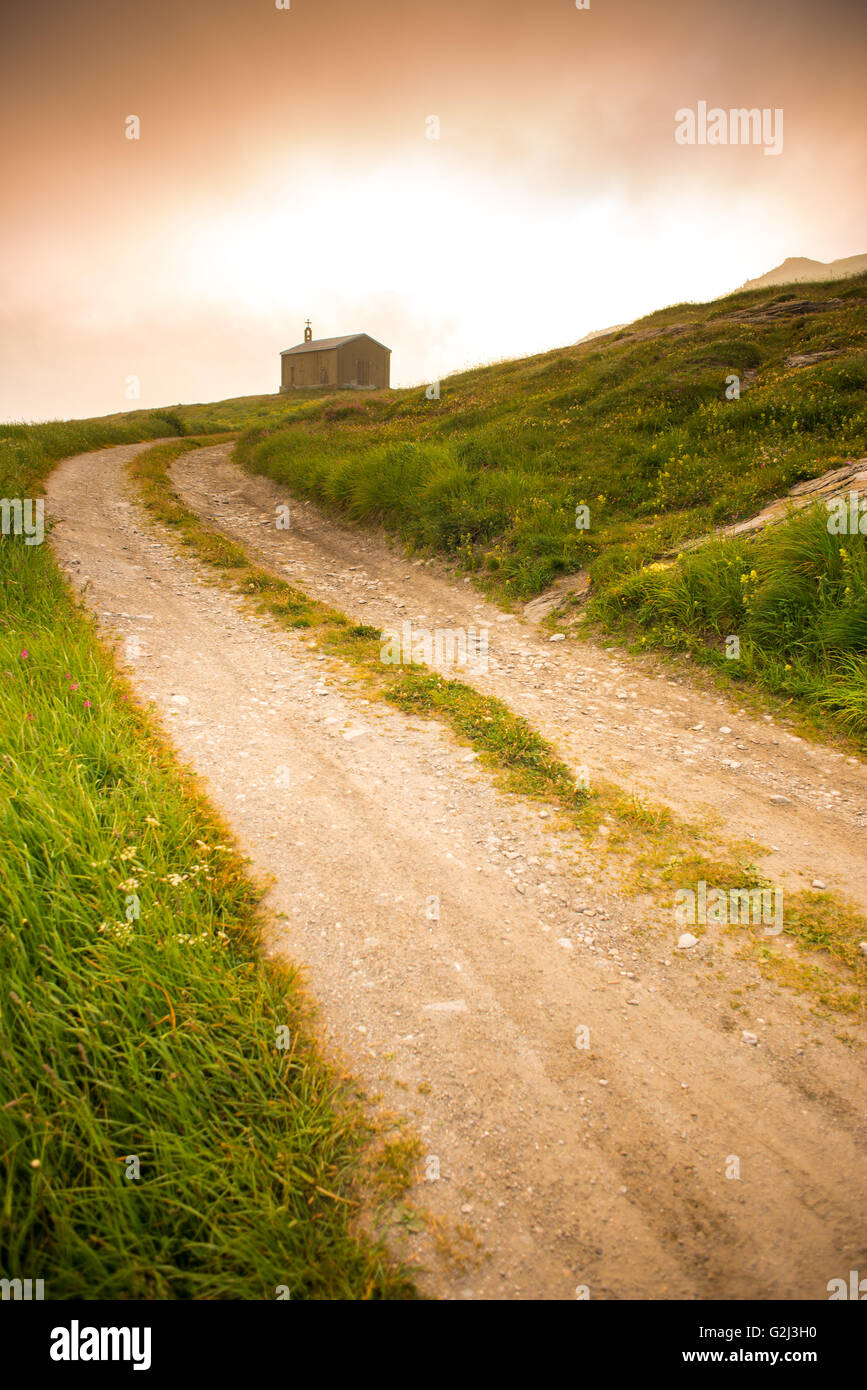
(283, 170)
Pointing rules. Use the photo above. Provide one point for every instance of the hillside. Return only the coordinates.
(636, 428)
(630, 434)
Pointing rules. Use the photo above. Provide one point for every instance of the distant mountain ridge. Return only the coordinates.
(796, 268)
(793, 269)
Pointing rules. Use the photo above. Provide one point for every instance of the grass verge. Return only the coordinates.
(784, 612)
(168, 1128)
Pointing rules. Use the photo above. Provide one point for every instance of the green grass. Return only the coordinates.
(822, 927)
(795, 598)
(137, 1016)
(28, 452)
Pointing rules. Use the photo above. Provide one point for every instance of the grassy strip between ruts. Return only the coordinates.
(160, 1136)
(663, 850)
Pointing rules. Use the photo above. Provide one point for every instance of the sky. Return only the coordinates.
(285, 169)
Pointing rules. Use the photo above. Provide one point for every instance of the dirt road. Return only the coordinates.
(623, 717)
(462, 951)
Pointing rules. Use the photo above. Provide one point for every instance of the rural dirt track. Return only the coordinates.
(602, 1167)
(615, 715)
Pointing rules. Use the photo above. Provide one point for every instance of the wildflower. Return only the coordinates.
(87, 704)
(152, 820)
(74, 685)
(25, 654)
(129, 852)
(121, 931)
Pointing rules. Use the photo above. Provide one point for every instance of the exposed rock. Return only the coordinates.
(806, 359)
(553, 596)
(784, 309)
(836, 482)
